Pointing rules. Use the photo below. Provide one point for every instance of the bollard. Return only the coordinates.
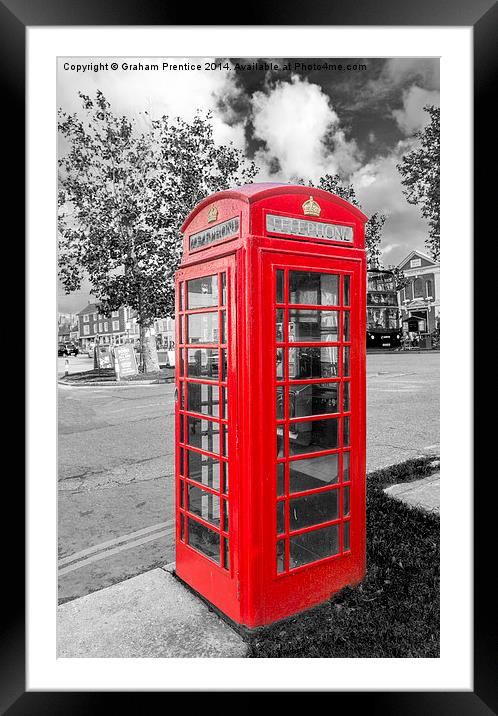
(67, 367)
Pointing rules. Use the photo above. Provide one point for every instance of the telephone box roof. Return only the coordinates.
(250, 193)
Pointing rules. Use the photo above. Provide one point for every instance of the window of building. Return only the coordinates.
(86, 330)
(115, 314)
(428, 289)
(100, 328)
(86, 318)
(115, 325)
(418, 288)
(106, 326)
(94, 316)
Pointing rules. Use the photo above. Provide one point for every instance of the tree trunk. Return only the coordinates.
(149, 353)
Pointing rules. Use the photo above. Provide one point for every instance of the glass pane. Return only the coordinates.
(345, 501)
(182, 528)
(225, 441)
(346, 325)
(313, 399)
(279, 328)
(224, 329)
(280, 363)
(203, 328)
(204, 469)
(280, 479)
(346, 299)
(181, 493)
(203, 434)
(203, 398)
(314, 545)
(226, 553)
(280, 402)
(224, 406)
(180, 298)
(204, 504)
(224, 364)
(280, 556)
(280, 517)
(313, 436)
(204, 540)
(314, 509)
(280, 440)
(313, 288)
(345, 467)
(182, 372)
(181, 420)
(313, 472)
(316, 326)
(202, 292)
(280, 286)
(311, 362)
(345, 396)
(345, 536)
(345, 432)
(203, 363)
(180, 330)
(223, 289)
(182, 461)
(345, 365)
(226, 523)
(224, 472)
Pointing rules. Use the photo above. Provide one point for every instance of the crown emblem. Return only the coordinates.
(212, 214)
(311, 208)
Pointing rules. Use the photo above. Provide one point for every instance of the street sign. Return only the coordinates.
(125, 361)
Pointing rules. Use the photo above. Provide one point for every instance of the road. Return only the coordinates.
(116, 457)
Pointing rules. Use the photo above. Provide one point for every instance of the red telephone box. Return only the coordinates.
(270, 412)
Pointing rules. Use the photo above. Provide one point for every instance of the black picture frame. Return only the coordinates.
(482, 15)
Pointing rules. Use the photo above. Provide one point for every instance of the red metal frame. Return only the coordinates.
(253, 590)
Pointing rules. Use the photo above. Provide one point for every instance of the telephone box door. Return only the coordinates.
(314, 493)
(205, 416)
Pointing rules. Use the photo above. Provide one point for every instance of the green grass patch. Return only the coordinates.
(394, 612)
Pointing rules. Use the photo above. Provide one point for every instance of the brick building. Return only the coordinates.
(419, 298)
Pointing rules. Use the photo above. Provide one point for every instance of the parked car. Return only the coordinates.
(72, 349)
(61, 351)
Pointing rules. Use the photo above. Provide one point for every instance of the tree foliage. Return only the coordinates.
(420, 172)
(123, 196)
(375, 223)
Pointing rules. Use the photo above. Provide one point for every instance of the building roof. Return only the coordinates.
(89, 308)
(419, 254)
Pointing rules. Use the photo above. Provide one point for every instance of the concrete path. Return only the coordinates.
(423, 494)
(152, 615)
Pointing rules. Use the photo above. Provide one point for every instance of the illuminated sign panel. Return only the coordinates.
(309, 229)
(215, 233)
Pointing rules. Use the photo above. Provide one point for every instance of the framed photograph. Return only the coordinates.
(339, 102)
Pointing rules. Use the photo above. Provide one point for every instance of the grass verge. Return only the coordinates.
(394, 612)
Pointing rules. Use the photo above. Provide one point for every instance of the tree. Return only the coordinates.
(375, 223)
(420, 172)
(123, 196)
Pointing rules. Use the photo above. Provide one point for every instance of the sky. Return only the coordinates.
(297, 118)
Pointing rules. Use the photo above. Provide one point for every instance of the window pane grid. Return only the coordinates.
(203, 417)
(324, 535)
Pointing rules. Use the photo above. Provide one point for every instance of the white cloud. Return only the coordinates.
(378, 187)
(157, 92)
(294, 119)
(412, 117)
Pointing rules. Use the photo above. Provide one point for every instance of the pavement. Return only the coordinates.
(116, 499)
(422, 494)
(149, 616)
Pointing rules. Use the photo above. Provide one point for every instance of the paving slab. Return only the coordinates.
(423, 494)
(151, 615)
